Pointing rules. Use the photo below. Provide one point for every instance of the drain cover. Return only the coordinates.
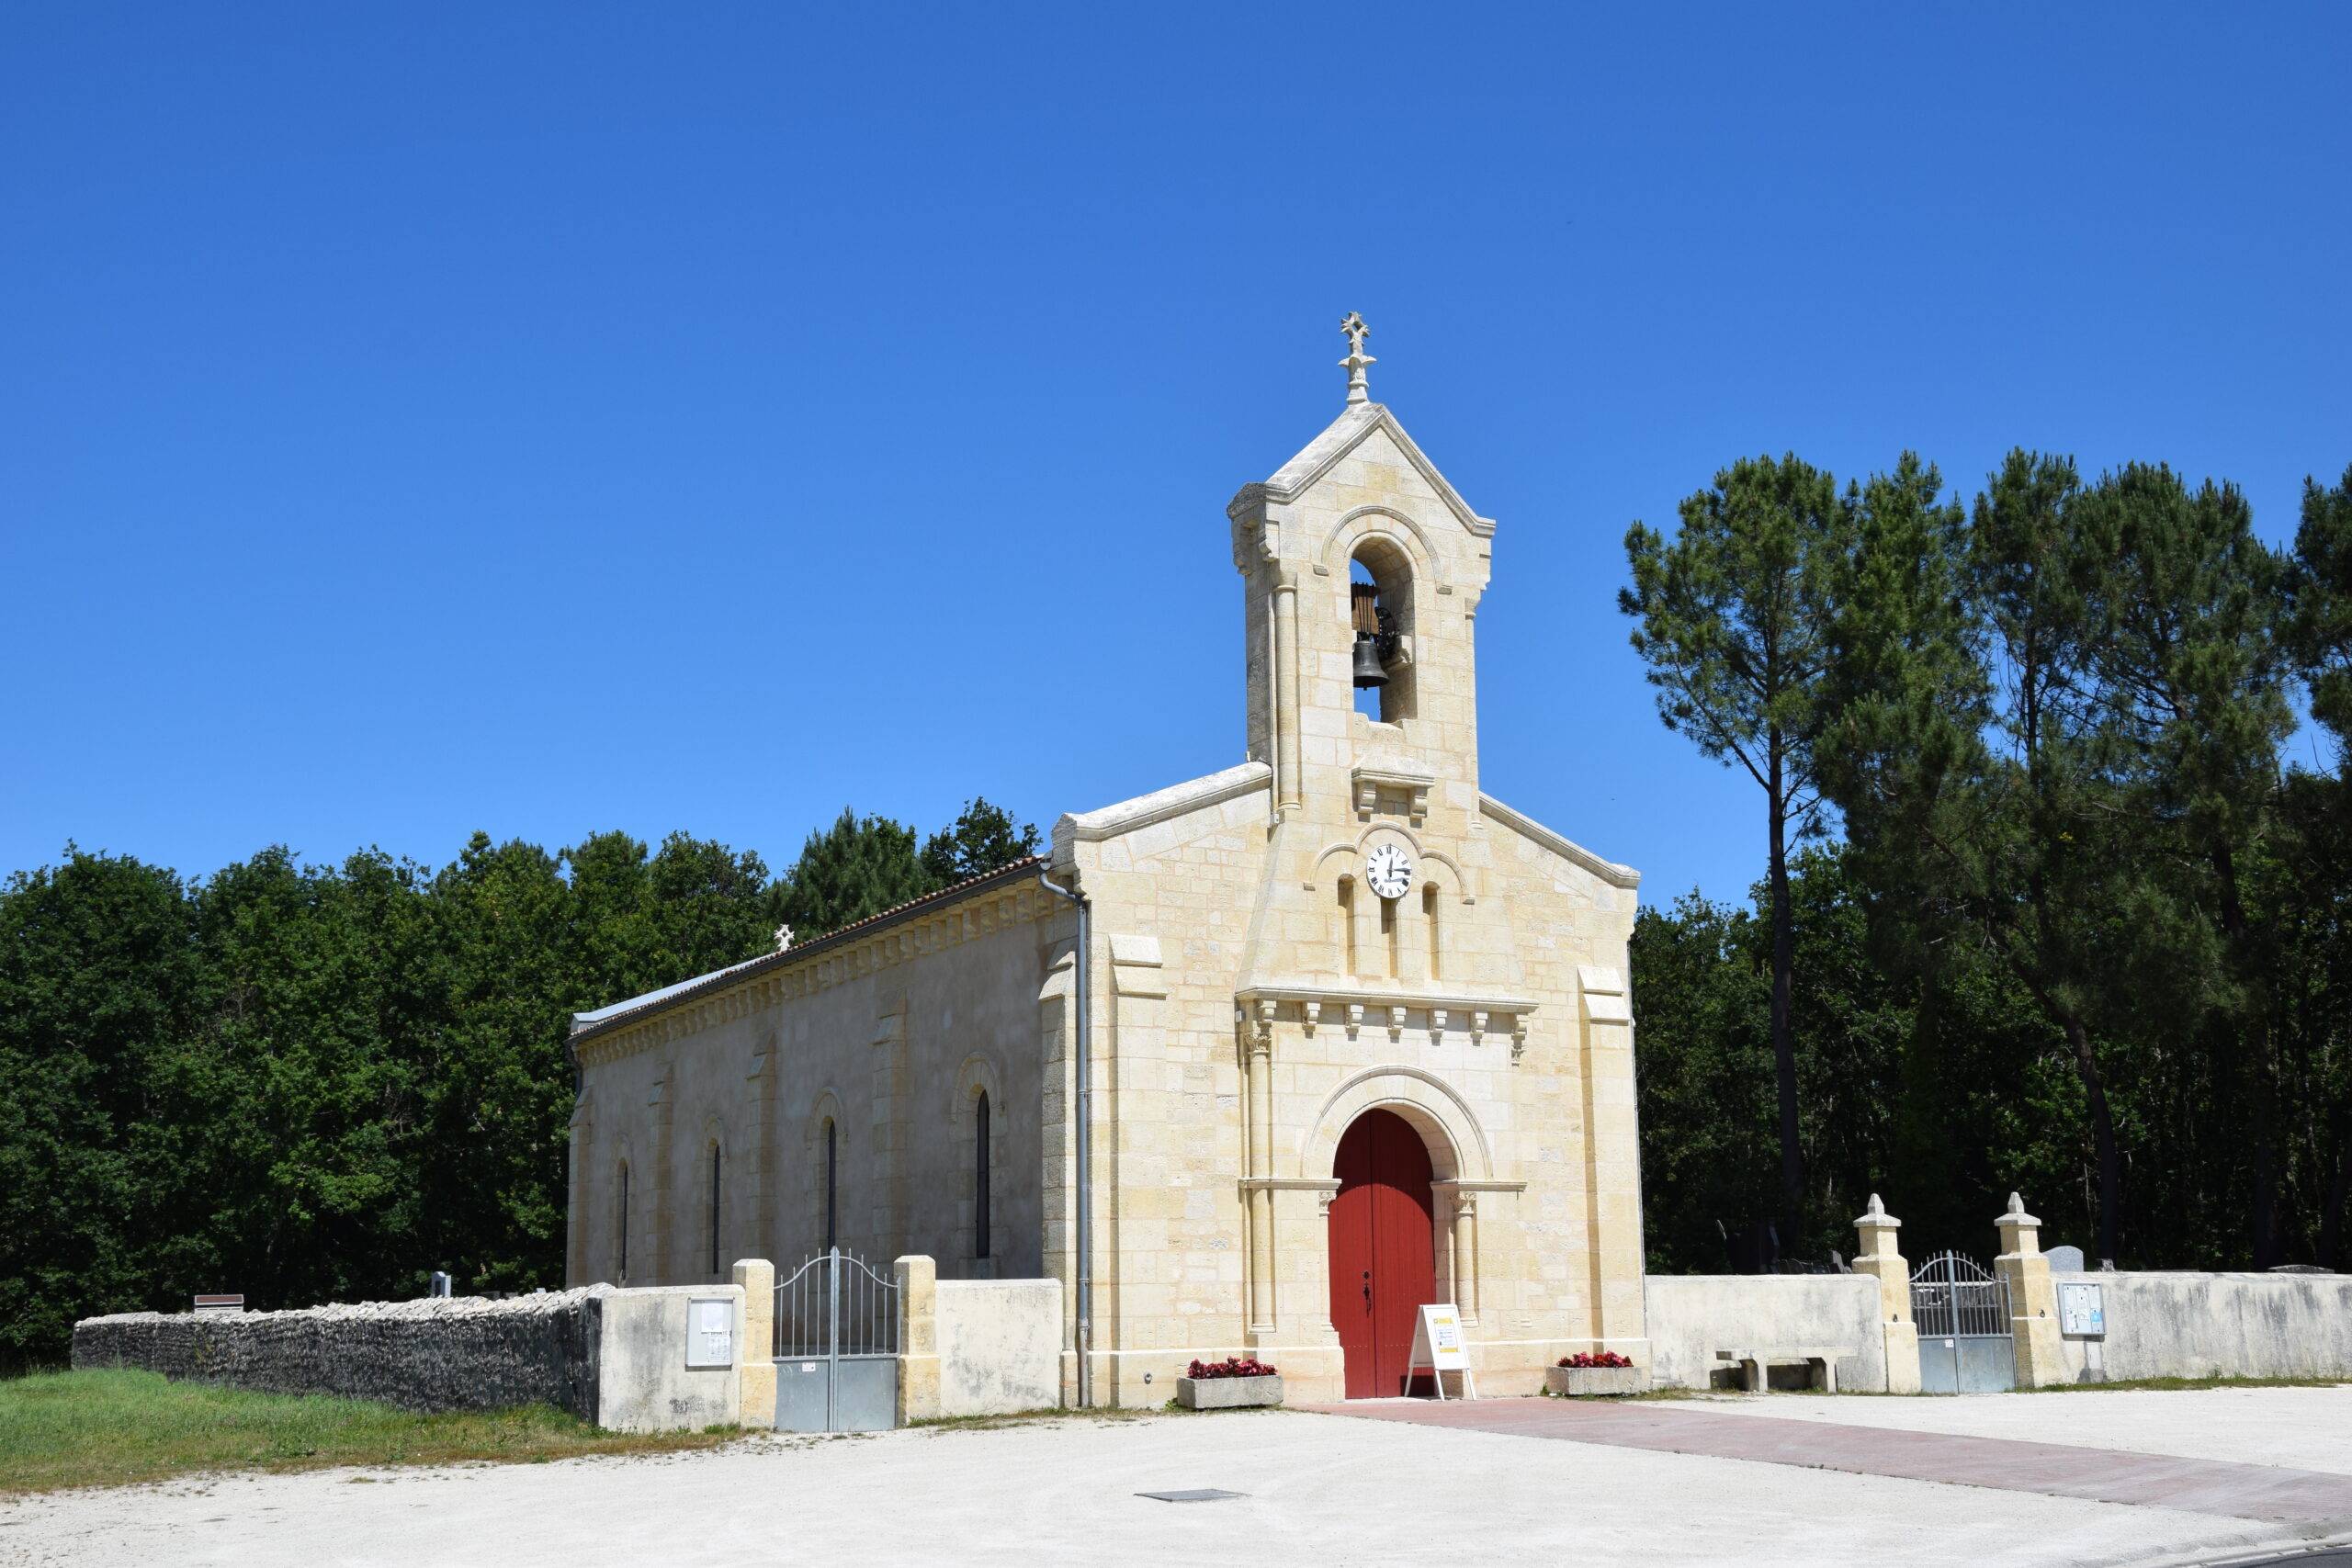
(1198, 1495)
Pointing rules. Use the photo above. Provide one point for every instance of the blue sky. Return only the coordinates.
(550, 419)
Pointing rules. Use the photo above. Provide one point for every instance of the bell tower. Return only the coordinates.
(1362, 568)
(1362, 572)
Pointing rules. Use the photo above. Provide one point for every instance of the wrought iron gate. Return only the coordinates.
(836, 1347)
(1962, 1316)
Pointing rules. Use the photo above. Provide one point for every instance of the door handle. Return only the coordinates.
(1367, 1287)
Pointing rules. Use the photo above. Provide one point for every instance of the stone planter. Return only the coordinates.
(1227, 1393)
(1580, 1381)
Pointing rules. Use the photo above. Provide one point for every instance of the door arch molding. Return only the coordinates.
(1457, 1144)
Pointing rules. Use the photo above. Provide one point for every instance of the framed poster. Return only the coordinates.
(710, 1332)
(2081, 1311)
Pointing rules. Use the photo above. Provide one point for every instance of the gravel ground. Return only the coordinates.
(1322, 1490)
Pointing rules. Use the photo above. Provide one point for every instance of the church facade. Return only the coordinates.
(1255, 1064)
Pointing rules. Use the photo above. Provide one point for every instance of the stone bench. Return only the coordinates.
(1752, 1362)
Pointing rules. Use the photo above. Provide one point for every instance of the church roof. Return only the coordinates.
(635, 1009)
(1344, 436)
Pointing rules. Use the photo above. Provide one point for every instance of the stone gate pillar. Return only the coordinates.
(756, 1355)
(1896, 1330)
(2033, 1298)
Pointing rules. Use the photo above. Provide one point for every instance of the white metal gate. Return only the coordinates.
(836, 1347)
(1962, 1316)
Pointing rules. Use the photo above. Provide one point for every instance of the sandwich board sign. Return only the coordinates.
(1438, 1345)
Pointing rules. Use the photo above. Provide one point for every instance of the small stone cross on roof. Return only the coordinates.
(1357, 358)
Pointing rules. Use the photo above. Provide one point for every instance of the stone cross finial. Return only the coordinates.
(1357, 358)
(782, 938)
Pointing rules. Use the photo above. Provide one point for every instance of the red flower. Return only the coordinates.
(1231, 1367)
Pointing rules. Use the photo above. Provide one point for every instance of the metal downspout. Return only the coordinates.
(1084, 1048)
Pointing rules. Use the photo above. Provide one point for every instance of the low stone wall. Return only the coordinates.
(616, 1357)
(999, 1346)
(2199, 1325)
(439, 1353)
(1693, 1316)
(643, 1382)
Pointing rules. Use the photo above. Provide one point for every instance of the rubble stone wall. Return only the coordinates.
(440, 1353)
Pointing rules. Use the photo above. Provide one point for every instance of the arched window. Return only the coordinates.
(980, 1176)
(715, 1190)
(832, 1174)
(623, 1269)
(1347, 923)
(1391, 938)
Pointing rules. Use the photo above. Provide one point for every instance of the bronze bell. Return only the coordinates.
(1364, 613)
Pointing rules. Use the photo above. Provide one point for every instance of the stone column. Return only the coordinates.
(755, 1356)
(2033, 1299)
(1259, 1045)
(1289, 792)
(918, 1281)
(1465, 1255)
(1896, 1330)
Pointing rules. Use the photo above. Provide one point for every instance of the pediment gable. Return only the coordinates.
(1342, 436)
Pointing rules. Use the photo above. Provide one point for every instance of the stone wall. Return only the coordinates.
(2198, 1326)
(612, 1357)
(999, 1346)
(440, 1353)
(1692, 1317)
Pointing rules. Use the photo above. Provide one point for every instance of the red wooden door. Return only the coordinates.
(1383, 1265)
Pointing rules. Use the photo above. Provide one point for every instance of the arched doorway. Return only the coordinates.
(1384, 1267)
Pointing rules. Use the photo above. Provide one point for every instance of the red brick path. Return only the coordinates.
(2103, 1475)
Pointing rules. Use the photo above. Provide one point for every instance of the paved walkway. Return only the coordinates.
(2270, 1493)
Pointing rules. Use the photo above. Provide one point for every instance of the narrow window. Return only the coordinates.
(980, 1179)
(1388, 934)
(832, 1170)
(1348, 920)
(714, 1208)
(1429, 917)
(623, 1268)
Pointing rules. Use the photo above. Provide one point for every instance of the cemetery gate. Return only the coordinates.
(836, 1347)
(1962, 1316)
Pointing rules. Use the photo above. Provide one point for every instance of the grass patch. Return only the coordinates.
(112, 1428)
(2132, 1385)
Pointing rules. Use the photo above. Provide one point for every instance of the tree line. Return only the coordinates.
(2049, 902)
(313, 1083)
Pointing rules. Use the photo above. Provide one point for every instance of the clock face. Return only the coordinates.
(1389, 870)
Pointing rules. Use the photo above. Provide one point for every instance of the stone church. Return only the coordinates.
(1255, 1064)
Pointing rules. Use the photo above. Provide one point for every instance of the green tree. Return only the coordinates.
(2318, 634)
(2192, 677)
(98, 975)
(858, 867)
(982, 840)
(1731, 617)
